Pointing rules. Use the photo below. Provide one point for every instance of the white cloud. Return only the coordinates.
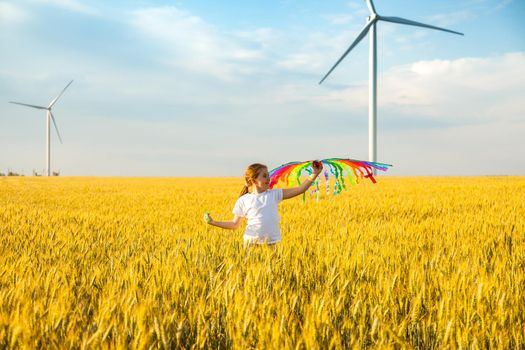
(359, 8)
(191, 43)
(10, 13)
(339, 19)
(466, 89)
(196, 45)
(261, 36)
(316, 52)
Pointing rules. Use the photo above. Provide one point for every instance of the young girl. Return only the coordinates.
(258, 204)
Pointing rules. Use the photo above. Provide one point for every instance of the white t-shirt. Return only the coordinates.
(263, 216)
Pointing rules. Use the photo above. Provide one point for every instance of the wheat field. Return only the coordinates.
(411, 262)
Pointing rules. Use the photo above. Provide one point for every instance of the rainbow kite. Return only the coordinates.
(290, 173)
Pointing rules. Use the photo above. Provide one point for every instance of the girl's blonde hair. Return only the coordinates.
(251, 173)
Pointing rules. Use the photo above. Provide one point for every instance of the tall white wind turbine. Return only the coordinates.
(49, 117)
(370, 27)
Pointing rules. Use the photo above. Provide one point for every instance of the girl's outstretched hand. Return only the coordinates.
(207, 218)
(317, 167)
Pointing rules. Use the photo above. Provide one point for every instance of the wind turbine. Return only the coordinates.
(49, 117)
(372, 93)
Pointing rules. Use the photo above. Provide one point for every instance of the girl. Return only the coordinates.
(258, 204)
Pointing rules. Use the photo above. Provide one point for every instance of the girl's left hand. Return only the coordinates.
(317, 167)
(207, 218)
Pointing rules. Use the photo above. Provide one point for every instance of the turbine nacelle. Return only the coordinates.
(372, 18)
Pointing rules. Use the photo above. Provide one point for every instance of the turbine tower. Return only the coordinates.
(370, 28)
(49, 118)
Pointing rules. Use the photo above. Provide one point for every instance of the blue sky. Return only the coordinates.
(204, 88)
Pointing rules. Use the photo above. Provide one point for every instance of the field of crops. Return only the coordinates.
(128, 262)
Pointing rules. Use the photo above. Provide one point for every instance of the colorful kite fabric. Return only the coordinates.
(290, 173)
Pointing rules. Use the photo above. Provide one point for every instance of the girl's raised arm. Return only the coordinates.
(295, 191)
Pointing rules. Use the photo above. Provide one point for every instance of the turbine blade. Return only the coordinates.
(414, 23)
(56, 98)
(371, 6)
(25, 104)
(55, 124)
(356, 41)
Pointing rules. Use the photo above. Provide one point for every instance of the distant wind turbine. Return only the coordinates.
(372, 94)
(49, 117)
